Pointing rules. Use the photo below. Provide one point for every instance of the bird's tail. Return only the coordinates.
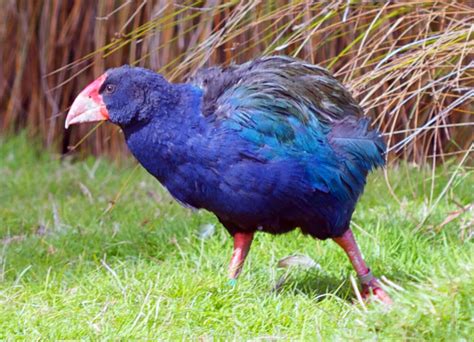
(353, 139)
(361, 150)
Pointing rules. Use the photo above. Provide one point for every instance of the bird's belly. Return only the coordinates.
(270, 197)
(317, 214)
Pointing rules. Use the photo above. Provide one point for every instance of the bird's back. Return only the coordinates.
(307, 89)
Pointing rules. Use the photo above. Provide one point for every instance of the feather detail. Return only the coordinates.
(360, 149)
(304, 90)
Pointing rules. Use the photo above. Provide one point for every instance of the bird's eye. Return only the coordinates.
(110, 88)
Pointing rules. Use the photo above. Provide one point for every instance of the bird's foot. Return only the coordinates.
(232, 282)
(371, 289)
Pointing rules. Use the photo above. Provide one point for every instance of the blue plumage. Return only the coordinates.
(269, 145)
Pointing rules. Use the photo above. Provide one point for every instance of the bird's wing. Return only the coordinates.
(280, 103)
(283, 107)
(287, 108)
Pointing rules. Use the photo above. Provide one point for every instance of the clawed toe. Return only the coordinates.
(373, 290)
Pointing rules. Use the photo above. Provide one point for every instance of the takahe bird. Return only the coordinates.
(269, 145)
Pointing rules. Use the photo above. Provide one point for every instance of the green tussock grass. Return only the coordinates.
(67, 270)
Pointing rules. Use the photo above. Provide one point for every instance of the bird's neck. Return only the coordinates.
(163, 143)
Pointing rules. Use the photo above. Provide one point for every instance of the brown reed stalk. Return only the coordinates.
(410, 63)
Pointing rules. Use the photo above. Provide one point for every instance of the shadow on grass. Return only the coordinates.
(319, 287)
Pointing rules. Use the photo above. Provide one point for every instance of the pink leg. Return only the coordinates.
(242, 242)
(370, 284)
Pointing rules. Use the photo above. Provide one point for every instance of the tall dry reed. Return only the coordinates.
(409, 63)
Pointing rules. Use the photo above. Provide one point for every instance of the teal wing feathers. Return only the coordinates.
(291, 109)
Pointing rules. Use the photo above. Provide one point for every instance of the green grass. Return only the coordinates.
(67, 270)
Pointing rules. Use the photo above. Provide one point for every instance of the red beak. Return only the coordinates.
(88, 105)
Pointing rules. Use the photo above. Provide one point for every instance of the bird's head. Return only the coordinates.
(124, 95)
